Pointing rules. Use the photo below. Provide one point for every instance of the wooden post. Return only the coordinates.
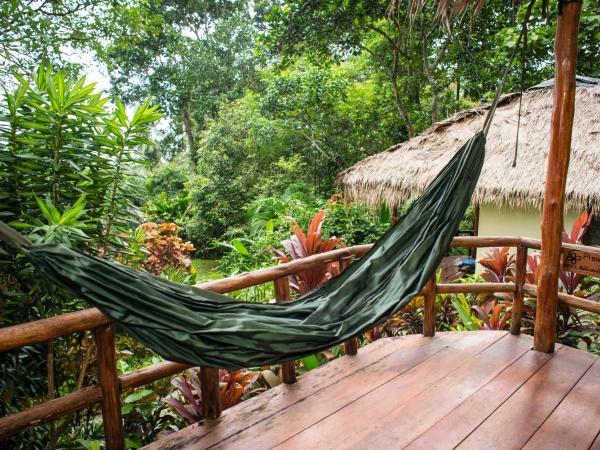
(517, 305)
(209, 386)
(282, 294)
(107, 376)
(394, 217)
(565, 48)
(429, 308)
(473, 251)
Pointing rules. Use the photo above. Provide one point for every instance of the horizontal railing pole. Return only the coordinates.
(151, 373)
(43, 330)
(282, 270)
(567, 299)
(485, 241)
(472, 288)
(83, 398)
(50, 410)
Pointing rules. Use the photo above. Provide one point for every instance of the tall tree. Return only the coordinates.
(188, 56)
(39, 31)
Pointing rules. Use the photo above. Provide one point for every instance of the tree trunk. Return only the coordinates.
(188, 129)
(401, 107)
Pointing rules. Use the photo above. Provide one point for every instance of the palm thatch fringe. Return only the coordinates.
(403, 171)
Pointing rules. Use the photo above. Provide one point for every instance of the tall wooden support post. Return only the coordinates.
(351, 345)
(429, 308)
(111, 391)
(565, 48)
(282, 294)
(517, 305)
(209, 386)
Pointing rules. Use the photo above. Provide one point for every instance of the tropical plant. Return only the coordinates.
(59, 228)
(463, 307)
(301, 245)
(571, 280)
(493, 315)
(499, 265)
(233, 387)
(124, 137)
(158, 249)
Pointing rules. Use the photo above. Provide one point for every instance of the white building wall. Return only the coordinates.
(506, 220)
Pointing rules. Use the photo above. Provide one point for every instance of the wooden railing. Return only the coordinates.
(110, 386)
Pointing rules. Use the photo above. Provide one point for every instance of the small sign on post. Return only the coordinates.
(582, 261)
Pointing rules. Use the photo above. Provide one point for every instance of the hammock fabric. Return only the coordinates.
(186, 324)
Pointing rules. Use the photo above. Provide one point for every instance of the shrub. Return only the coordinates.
(301, 245)
(233, 387)
(159, 250)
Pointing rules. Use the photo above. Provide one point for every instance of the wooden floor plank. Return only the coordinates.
(458, 423)
(517, 419)
(417, 371)
(277, 399)
(575, 423)
(393, 415)
(467, 390)
(596, 444)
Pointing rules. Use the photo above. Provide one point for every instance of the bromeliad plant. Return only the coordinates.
(233, 388)
(301, 245)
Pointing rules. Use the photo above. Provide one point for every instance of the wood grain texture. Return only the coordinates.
(401, 378)
(255, 410)
(429, 308)
(575, 422)
(395, 424)
(449, 431)
(106, 364)
(565, 64)
(476, 390)
(527, 409)
(517, 305)
(209, 386)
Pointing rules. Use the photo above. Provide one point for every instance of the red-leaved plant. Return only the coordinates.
(301, 245)
(571, 280)
(156, 248)
(493, 315)
(232, 387)
(499, 265)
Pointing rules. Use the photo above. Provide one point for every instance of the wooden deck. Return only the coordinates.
(473, 390)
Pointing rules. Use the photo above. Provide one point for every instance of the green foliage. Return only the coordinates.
(188, 56)
(34, 32)
(158, 249)
(62, 141)
(68, 165)
(60, 228)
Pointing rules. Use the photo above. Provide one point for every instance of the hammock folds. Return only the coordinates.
(186, 324)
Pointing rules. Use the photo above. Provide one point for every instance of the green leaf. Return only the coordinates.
(138, 395)
(241, 249)
(310, 362)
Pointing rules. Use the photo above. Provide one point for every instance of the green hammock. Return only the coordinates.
(187, 324)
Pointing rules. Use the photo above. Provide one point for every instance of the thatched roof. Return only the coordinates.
(404, 170)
